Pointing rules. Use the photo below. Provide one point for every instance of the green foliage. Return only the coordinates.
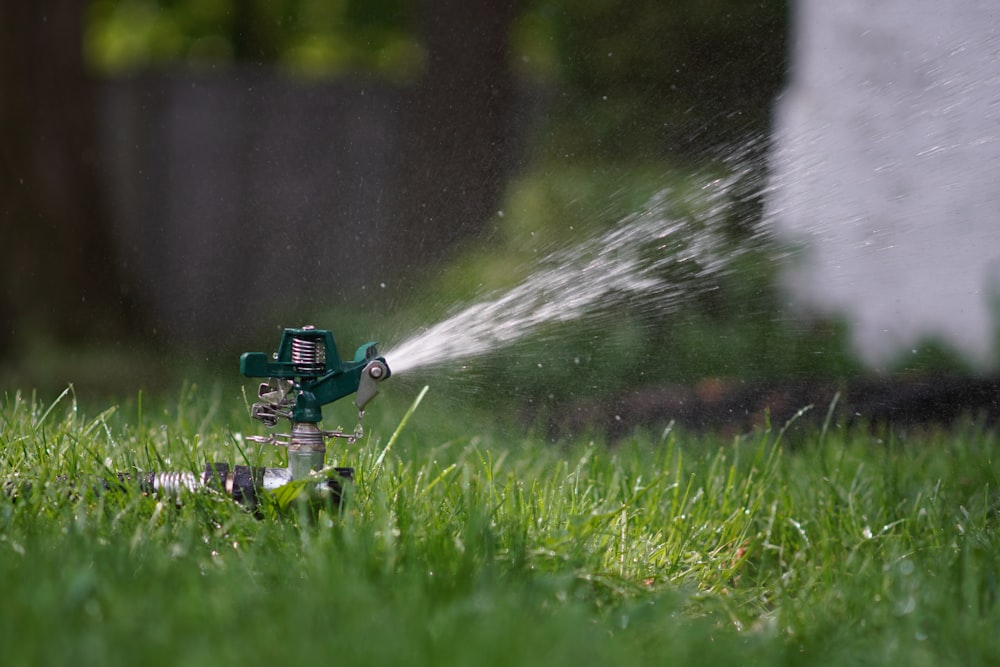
(464, 544)
(307, 37)
(636, 80)
(649, 79)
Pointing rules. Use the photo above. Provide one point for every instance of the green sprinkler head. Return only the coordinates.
(305, 374)
(308, 369)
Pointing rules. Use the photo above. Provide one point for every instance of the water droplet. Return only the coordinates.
(907, 606)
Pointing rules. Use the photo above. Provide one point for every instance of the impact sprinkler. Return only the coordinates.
(305, 374)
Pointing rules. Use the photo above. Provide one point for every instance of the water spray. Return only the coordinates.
(673, 249)
(305, 374)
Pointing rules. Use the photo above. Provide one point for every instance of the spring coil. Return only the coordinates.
(307, 435)
(174, 483)
(308, 354)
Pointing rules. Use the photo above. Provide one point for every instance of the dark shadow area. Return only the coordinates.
(735, 407)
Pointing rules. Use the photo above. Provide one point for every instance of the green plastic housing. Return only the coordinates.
(319, 383)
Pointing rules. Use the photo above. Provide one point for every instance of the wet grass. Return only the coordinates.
(467, 543)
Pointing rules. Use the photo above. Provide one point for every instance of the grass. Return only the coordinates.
(466, 542)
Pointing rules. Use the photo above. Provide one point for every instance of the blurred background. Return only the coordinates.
(182, 178)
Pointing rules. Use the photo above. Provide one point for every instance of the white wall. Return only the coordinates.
(887, 169)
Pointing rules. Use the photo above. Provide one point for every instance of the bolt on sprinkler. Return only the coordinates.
(305, 374)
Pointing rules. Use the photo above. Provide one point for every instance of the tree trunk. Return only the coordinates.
(59, 277)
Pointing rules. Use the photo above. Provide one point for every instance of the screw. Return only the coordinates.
(376, 371)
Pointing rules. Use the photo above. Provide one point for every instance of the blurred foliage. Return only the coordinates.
(648, 79)
(631, 80)
(306, 37)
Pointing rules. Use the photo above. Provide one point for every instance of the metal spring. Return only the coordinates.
(307, 435)
(175, 482)
(308, 354)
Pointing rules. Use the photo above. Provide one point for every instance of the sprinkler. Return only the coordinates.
(305, 374)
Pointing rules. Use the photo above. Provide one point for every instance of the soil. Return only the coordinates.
(735, 406)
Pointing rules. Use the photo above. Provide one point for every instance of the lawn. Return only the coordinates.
(464, 541)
